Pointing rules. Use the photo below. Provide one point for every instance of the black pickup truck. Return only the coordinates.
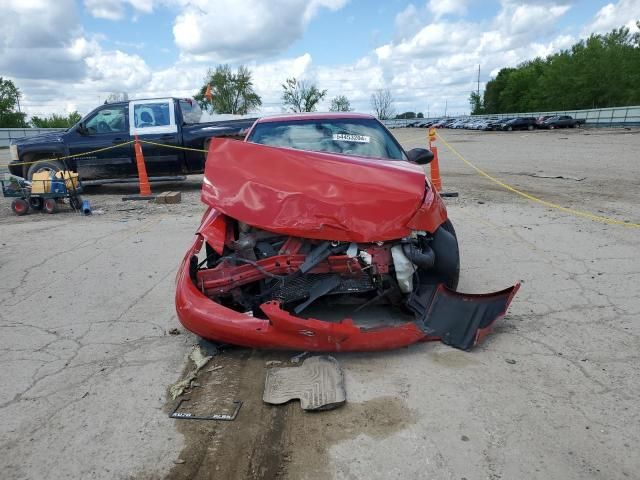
(165, 121)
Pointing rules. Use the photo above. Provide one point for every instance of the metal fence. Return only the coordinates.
(8, 134)
(595, 117)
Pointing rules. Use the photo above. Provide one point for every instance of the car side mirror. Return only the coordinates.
(420, 156)
(82, 129)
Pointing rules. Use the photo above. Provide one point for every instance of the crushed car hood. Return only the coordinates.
(312, 194)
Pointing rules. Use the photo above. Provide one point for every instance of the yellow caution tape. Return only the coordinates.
(176, 147)
(84, 154)
(75, 155)
(571, 211)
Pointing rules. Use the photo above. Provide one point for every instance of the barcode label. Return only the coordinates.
(345, 137)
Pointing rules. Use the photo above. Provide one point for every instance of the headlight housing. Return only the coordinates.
(13, 152)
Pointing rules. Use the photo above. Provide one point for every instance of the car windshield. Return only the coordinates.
(350, 136)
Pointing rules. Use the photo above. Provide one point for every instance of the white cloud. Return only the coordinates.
(116, 9)
(58, 64)
(37, 36)
(407, 22)
(440, 8)
(117, 71)
(527, 18)
(431, 60)
(231, 30)
(615, 15)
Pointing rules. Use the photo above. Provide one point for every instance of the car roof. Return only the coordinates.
(284, 117)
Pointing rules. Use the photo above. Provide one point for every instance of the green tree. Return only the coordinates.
(406, 115)
(9, 101)
(56, 121)
(476, 102)
(600, 71)
(301, 96)
(231, 92)
(340, 104)
(420, 115)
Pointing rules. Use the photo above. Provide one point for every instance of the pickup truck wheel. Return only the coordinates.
(44, 166)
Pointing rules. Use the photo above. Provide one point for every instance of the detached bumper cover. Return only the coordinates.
(460, 320)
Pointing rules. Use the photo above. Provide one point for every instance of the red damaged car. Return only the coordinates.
(323, 234)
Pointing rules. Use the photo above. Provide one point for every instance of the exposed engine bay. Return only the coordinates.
(407, 276)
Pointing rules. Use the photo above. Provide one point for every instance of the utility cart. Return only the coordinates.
(45, 192)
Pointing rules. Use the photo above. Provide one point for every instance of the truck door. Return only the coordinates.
(155, 121)
(107, 126)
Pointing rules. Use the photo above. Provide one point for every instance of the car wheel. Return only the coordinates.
(446, 268)
(44, 166)
(551, 127)
(510, 129)
(20, 206)
(452, 282)
(530, 127)
(50, 205)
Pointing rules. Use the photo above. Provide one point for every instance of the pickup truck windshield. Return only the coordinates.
(350, 136)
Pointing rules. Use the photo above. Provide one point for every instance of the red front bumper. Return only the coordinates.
(282, 330)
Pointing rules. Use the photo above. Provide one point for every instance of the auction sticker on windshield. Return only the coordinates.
(346, 137)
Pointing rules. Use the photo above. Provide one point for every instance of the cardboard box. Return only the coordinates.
(70, 179)
(41, 182)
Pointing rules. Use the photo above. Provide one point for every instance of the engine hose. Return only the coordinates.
(424, 258)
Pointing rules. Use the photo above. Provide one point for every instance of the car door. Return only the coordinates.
(154, 121)
(106, 127)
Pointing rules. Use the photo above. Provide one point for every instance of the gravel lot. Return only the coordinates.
(86, 306)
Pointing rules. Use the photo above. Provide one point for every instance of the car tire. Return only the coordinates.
(510, 129)
(46, 165)
(551, 127)
(452, 282)
(20, 206)
(530, 127)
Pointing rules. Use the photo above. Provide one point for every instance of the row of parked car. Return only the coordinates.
(505, 124)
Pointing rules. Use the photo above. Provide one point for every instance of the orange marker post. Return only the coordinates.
(143, 179)
(436, 181)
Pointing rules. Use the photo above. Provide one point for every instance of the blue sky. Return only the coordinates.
(425, 52)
